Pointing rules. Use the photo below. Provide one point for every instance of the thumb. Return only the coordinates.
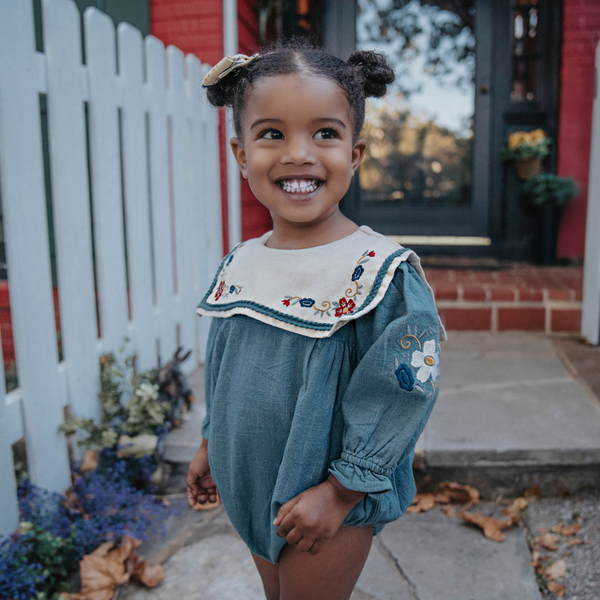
(284, 510)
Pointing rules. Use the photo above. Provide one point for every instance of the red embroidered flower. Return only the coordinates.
(219, 291)
(372, 253)
(286, 302)
(346, 307)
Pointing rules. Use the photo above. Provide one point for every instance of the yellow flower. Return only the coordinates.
(516, 139)
(537, 134)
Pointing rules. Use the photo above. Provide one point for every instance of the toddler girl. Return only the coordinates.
(323, 361)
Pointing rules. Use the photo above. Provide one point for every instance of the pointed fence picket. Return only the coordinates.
(134, 177)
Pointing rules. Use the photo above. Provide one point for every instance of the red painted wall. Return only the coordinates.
(255, 217)
(196, 26)
(581, 32)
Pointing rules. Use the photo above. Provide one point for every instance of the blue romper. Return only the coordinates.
(324, 360)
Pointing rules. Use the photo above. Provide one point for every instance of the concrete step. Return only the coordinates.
(509, 415)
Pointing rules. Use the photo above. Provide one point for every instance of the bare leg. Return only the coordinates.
(330, 575)
(269, 573)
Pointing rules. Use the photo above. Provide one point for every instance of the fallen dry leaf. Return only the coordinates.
(548, 541)
(512, 511)
(422, 503)
(150, 576)
(535, 559)
(533, 491)
(90, 461)
(557, 588)
(106, 567)
(571, 529)
(557, 528)
(556, 570)
(492, 528)
(576, 542)
(450, 510)
(459, 493)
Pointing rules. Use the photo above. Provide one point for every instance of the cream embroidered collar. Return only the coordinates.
(313, 291)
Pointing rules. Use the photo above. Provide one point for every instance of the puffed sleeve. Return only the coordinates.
(211, 371)
(393, 389)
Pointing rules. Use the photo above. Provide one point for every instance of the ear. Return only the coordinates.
(358, 153)
(240, 156)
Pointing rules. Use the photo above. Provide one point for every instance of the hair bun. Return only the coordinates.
(375, 70)
(222, 92)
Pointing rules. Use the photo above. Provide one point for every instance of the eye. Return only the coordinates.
(326, 134)
(271, 134)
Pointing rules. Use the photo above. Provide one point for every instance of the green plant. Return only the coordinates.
(130, 405)
(525, 145)
(546, 187)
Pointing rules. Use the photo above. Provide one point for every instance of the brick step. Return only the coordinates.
(515, 297)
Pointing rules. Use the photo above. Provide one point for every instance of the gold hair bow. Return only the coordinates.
(225, 66)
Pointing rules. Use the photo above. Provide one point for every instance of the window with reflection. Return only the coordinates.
(525, 50)
(420, 136)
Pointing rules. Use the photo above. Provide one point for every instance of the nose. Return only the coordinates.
(298, 150)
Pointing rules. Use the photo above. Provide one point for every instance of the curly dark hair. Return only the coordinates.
(365, 74)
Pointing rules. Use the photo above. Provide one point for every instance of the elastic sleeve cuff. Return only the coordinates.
(360, 475)
(205, 427)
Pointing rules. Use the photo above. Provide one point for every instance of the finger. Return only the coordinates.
(191, 496)
(293, 537)
(286, 525)
(316, 547)
(305, 544)
(284, 510)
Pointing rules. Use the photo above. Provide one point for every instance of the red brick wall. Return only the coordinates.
(581, 32)
(255, 217)
(196, 26)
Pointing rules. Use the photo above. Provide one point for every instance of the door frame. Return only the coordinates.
(497, 211)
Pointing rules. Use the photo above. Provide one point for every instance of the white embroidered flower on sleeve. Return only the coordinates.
(427, 362)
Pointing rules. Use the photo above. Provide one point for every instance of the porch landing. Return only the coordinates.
(506, 297)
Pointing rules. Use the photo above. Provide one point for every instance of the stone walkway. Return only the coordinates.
(509, 415)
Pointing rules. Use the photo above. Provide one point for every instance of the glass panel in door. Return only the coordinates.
(420, 136)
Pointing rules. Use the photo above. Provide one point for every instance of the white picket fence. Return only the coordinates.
(152, 136)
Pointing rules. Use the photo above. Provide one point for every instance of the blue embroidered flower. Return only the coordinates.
(232, 289)
(229, 261)
(358, 272)
(307, 302)
(405, 377)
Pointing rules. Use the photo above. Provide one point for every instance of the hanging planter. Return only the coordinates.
(525, 149)
(528, 168)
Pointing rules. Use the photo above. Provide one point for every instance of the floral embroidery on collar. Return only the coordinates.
(223, 290)
(345, 305)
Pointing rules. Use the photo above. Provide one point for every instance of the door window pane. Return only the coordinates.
(420, 135)
(525, 50)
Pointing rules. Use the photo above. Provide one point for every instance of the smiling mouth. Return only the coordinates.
(300, 186)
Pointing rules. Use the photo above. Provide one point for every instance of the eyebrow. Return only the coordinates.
(262, 121)
(331, 120)
(320, 120)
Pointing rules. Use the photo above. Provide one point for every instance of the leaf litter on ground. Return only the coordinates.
(108, 566)
(451, 494)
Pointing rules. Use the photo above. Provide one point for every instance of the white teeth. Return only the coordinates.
(299, 186)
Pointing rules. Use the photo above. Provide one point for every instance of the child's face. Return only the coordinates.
(298, 152)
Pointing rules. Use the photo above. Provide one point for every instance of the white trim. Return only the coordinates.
(590, 314)
(234, 191)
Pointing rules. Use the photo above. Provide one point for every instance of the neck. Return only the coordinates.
(295, 236)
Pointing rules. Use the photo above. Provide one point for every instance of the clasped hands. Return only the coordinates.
(307, 521)
(314, 516)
